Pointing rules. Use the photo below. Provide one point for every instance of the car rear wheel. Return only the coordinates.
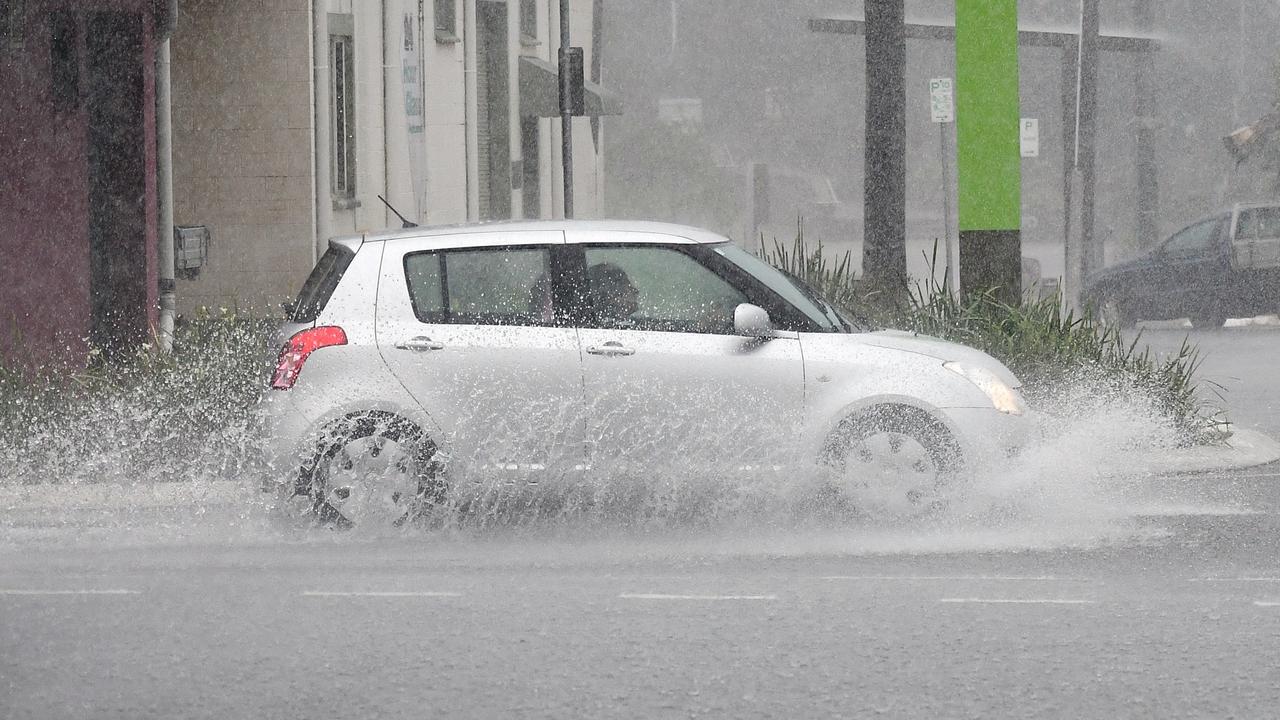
(893, 462)
(373, 471)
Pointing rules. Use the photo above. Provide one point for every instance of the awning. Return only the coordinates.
(540, 92)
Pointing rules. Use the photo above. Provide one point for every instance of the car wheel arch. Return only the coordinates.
(897, 409)
(890, 403)
(363, 423)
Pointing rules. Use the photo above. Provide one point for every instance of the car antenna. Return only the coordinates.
(407, 223)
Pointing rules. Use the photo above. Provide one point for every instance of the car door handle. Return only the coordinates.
(420, 344)
(610, 349)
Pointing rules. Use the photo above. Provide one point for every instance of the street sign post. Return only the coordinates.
(942, 110)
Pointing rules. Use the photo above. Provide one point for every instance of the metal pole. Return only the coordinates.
(1070, 244)
(164, 179)
(951, 277)
(1145, 107)
(1092, 255)
(884, 237)
(566, 117)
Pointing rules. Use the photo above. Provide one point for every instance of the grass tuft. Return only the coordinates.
(1059, 355)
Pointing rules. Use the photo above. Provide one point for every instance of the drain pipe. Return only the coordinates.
(388, 64)
(164, 181)
(471, 112)
(320, 126)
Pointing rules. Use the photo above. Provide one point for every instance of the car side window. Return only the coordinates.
(485, 286)
(652, 287)
(1195, 240)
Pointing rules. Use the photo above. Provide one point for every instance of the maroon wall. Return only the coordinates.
(45, 309)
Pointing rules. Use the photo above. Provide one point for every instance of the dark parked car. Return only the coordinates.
(1226, 265)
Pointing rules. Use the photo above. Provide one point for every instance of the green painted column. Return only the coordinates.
(987, 154)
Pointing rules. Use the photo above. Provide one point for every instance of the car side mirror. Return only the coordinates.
(752, 321)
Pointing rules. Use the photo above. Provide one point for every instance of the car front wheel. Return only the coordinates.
(893, 462)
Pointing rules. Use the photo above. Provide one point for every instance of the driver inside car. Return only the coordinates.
(614, 297)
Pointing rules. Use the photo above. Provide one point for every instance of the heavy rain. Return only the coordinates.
(657, 358)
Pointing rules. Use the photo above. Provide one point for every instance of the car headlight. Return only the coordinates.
(1004, 398)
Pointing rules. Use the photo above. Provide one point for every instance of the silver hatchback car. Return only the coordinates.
(419, 361)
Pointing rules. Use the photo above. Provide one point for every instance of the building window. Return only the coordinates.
(64, 61)
(446, 12)
(342, 97)
(529, 20)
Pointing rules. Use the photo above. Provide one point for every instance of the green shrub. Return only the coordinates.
(1058, 355)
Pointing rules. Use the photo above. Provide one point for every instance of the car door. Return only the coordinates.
(1193, 269)
(668, 385)
(470, 326)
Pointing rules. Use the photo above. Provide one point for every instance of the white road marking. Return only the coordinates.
(934, 578)
(424, 594)
(1233, 579)
(69, 592)
(1266, 603)
(658, 596)
(1017, 601)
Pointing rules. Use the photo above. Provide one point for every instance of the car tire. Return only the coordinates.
(893, 462)
(374, 470)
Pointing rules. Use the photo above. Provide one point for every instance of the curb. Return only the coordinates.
(1269, 321)
(1245, 448)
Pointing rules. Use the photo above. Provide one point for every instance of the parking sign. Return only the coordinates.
(942, 100)
(1029, 137)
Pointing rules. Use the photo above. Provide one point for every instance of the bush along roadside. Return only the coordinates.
(147, 417)
(1068, 362)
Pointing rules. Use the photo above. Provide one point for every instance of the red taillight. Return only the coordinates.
(295, 352)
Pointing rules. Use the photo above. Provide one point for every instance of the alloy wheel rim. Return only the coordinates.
(890, 473)
(370, 482)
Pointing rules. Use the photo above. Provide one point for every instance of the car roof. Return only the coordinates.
(645, 231)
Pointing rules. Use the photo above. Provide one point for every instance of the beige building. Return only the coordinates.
(291, 117)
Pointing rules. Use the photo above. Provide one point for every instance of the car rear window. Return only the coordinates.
(319, 286)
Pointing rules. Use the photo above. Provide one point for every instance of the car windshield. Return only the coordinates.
(791, 289)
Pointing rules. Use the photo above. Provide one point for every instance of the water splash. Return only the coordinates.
(130, 468)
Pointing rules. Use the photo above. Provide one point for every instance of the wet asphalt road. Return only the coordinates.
(1167, 607)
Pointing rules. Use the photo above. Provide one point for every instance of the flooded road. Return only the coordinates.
(1060, 593)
